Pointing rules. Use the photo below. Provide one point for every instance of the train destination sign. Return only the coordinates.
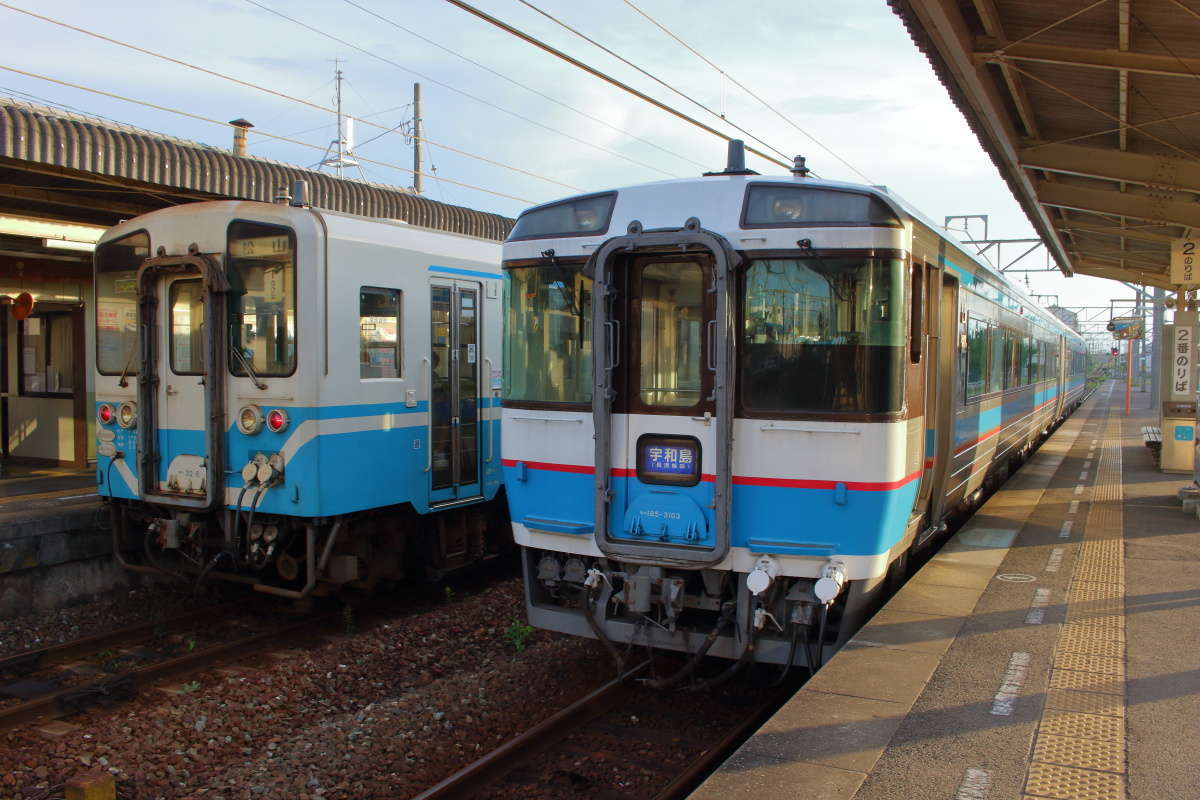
(669, 459)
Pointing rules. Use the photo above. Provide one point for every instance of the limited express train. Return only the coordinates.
(734, 405)
(298, 399)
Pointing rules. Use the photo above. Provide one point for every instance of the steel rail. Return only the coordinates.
(707, 762)
(122, 686)
(40, 657)
(476, 776)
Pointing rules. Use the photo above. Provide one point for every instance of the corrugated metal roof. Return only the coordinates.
(73, 154)
(1089, 112)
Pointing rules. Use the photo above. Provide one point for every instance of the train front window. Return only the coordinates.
(823, 334)
(548, 335)
(117, 263)
(672, 314)
(262, 292)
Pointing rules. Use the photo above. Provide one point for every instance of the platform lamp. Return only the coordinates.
(22, 306)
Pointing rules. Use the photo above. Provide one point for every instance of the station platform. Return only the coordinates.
(55, 549)
(1051, 649)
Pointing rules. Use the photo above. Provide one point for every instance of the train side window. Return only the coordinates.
(976, 356)
(1010, 360)
(379, 332)
(1030, 364)
(996, 372)
(916, 338)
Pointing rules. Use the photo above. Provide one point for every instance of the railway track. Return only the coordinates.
(70, 691)
(621, 741)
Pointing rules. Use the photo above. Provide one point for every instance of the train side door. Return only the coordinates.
(454, 360)
(931, 292)
(947, 394)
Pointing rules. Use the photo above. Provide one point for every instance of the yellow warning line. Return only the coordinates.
(1079, 752)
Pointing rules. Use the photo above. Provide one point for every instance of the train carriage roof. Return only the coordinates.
(712, 198)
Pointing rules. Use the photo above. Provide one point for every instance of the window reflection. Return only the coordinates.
(672, 313)
(823, 334)
(116, 302)
(187, 327)
(262, 267)
(548, 335)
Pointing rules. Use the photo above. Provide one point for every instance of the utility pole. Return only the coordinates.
(417, 138)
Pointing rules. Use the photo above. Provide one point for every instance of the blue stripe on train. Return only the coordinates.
(766, 519)
(362, 469)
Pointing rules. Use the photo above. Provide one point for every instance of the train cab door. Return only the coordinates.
(454, 367)
(181, 380)
(662, 406)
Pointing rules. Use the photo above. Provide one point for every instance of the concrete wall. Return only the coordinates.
(57, 560)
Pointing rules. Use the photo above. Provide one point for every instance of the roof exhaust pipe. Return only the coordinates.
(798, 168)
(300, 193)
(240, 126)
(735, 161)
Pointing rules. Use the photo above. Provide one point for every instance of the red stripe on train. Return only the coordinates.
(740, 480)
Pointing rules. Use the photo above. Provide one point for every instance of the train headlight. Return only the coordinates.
(277, 420)
(250, 420)
(105, 414)
(127, 414)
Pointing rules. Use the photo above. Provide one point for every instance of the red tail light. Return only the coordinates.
(277, 420)
(105, 414)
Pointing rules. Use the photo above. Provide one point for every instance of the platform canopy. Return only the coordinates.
(1091, 111)
(57, 165)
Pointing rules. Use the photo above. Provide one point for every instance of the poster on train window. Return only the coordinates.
(1185, 262)
(1183, 356)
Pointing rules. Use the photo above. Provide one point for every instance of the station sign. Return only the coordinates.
(1183, 356)
(1127, 327)
(1185, 262)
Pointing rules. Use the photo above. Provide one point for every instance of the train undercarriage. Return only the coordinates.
(298, 558)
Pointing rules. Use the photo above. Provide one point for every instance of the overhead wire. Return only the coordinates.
(524, 86)
(654, 78)
(277, 137)
(536, 42)
(334, 124)
(456, 90)
(747, 90)
(270, 91)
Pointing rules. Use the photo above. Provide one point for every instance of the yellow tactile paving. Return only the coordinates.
(1086, 681)
(1079, 750)
(1082, 726)
(1085, 702)
(1071, 783)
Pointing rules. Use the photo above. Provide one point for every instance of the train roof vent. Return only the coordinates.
(736, 163)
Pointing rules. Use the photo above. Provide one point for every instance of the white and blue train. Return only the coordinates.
(298, 399)
(734, 405)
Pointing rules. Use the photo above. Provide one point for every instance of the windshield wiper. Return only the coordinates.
(246, 366)
(128, 363)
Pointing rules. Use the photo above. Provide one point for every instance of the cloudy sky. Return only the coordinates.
(854, 95)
